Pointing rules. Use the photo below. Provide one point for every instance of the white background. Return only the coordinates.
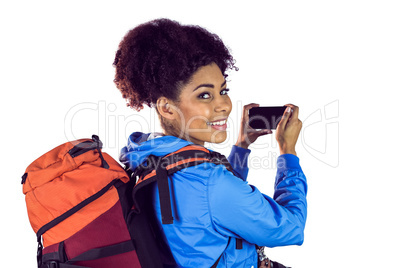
(339, 61)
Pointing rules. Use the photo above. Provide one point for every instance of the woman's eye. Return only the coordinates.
(203, 96)
(225, 91)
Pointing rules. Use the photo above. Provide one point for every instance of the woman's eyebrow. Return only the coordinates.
(209, 85)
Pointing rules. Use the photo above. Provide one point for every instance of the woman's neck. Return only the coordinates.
(183, 137)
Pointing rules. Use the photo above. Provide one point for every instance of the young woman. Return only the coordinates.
(181, 71)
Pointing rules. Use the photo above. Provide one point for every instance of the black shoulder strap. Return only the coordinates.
(159, 168)
(164, 194)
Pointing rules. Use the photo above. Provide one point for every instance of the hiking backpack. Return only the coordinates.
(87, 211)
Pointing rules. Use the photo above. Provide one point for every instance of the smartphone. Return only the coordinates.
(265, 117)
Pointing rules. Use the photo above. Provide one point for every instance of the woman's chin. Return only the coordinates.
(219, 137)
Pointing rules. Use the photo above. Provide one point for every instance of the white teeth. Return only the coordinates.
(219, 123)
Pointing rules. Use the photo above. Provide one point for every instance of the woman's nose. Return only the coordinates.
(223, 104)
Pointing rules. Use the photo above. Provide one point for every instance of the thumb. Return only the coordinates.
(285, 118)
(264, 131)
(261, 132)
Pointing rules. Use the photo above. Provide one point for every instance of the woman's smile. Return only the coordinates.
(219, 124)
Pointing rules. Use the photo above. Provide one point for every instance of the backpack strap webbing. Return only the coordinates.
(159, 168)
(59, 259)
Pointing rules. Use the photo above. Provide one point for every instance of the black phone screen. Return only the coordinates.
(265, 117)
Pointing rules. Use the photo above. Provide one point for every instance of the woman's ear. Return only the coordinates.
(165, 108)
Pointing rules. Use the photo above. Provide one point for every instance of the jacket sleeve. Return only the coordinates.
(238, 160)
(240, 210)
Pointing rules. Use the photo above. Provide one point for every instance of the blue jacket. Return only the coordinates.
(210, 205)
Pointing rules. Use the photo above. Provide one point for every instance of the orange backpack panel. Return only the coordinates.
(61, 179)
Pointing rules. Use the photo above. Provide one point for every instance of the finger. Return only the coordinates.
(265, 132)
(252, 130)
(259, 132)
(285, 118)
(295, 111)
(248, 107)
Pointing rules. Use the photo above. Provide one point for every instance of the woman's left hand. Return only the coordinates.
(247, 134)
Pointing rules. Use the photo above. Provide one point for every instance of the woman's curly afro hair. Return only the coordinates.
(158, 57)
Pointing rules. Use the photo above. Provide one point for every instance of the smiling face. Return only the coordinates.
(203, 108)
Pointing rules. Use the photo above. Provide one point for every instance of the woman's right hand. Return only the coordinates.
(288, 130)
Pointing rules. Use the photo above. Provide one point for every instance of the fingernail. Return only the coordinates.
(288, 110)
